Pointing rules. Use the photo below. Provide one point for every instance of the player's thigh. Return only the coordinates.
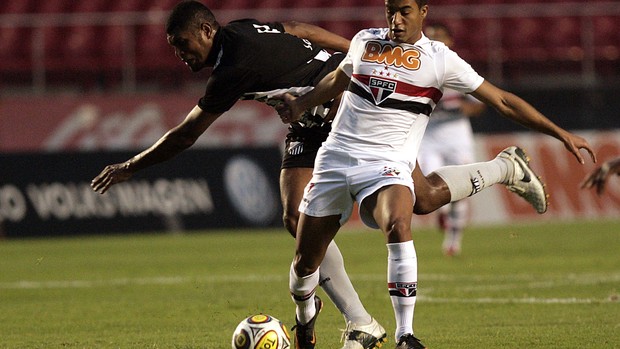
(390, 207)
(292, 184)
(313, 237)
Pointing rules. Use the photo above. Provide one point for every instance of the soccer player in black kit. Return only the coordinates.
(257, 61)
(260, 61)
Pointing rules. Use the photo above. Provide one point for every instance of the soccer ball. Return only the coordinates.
(261, 332)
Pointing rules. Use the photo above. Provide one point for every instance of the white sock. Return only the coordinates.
(455, 218)
(402, 284)
(302, 291)
(467, 180)
(337, 285)
(459, 214)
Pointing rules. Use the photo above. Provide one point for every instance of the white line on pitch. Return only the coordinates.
(526, 300)
(162, 280)
(489, 283)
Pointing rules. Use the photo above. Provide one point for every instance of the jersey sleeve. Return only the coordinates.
(346, 65)
(225, 86)
(459, 75)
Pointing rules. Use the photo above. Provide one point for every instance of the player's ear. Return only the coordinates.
(424, 11)
(207, 29)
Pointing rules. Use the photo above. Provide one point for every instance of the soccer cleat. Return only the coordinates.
(524, 182)
(305, 338)
(453, 250)
(369, 336)
(408, 341)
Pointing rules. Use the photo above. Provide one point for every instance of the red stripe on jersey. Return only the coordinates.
(405, 88)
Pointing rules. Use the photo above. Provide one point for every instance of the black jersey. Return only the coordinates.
(256, 60)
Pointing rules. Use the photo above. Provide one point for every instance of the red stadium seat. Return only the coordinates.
(152, 49)
(345, 29)
(523, 40)
(606, 37)
(230, 5)
(161, 5)
(15, 48)
(113, 40)
(88, 6)
(450, 2)
(51, 6)
(12, 7)
(471, 38)
(15, 56)
(125, 5)
(607, 45)
(346, 3)
(523, 46)
(563, 38)
(276, 4)
(82, 44)
(53, 41)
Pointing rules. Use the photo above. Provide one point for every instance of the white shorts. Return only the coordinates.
(339, 180)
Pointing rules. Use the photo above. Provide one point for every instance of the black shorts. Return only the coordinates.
(302, 143)
(300, 150)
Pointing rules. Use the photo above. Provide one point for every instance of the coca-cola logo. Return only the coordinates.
(125, 123)
(87, 128)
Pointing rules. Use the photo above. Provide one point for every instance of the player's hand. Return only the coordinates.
(575, 143)
(111, 175)
(598, 178)
(333, 109)
(288, 110)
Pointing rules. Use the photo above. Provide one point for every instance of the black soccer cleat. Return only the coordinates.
(305, 338)
(408, 341)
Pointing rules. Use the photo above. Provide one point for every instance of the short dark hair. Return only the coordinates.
(188, 14)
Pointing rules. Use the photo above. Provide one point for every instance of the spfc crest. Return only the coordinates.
(381, 89)
(403, 289)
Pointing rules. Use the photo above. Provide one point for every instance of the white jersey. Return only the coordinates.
(393, 90)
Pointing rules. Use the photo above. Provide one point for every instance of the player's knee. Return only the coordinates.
(398, 230)
(302, 266)
(432, 195)
(290, 219)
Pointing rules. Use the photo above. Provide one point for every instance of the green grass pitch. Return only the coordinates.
(545, 285)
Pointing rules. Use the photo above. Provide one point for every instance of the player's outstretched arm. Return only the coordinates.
(332, 85)
(516, 109)
(172, 143)
(317, 35)
(598, 177)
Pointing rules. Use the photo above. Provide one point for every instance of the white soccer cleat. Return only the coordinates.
(524, 182)
(364, 337)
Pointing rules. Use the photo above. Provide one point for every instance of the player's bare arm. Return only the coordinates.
(518, 110)
(317, 35)
(172, 143)
(472, 109)
(598, 178)
(332, 85)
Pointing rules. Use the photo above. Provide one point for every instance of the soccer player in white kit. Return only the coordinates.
(393, 78)
(449, 140)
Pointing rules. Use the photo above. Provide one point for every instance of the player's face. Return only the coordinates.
(192, 46)
(405, 20)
